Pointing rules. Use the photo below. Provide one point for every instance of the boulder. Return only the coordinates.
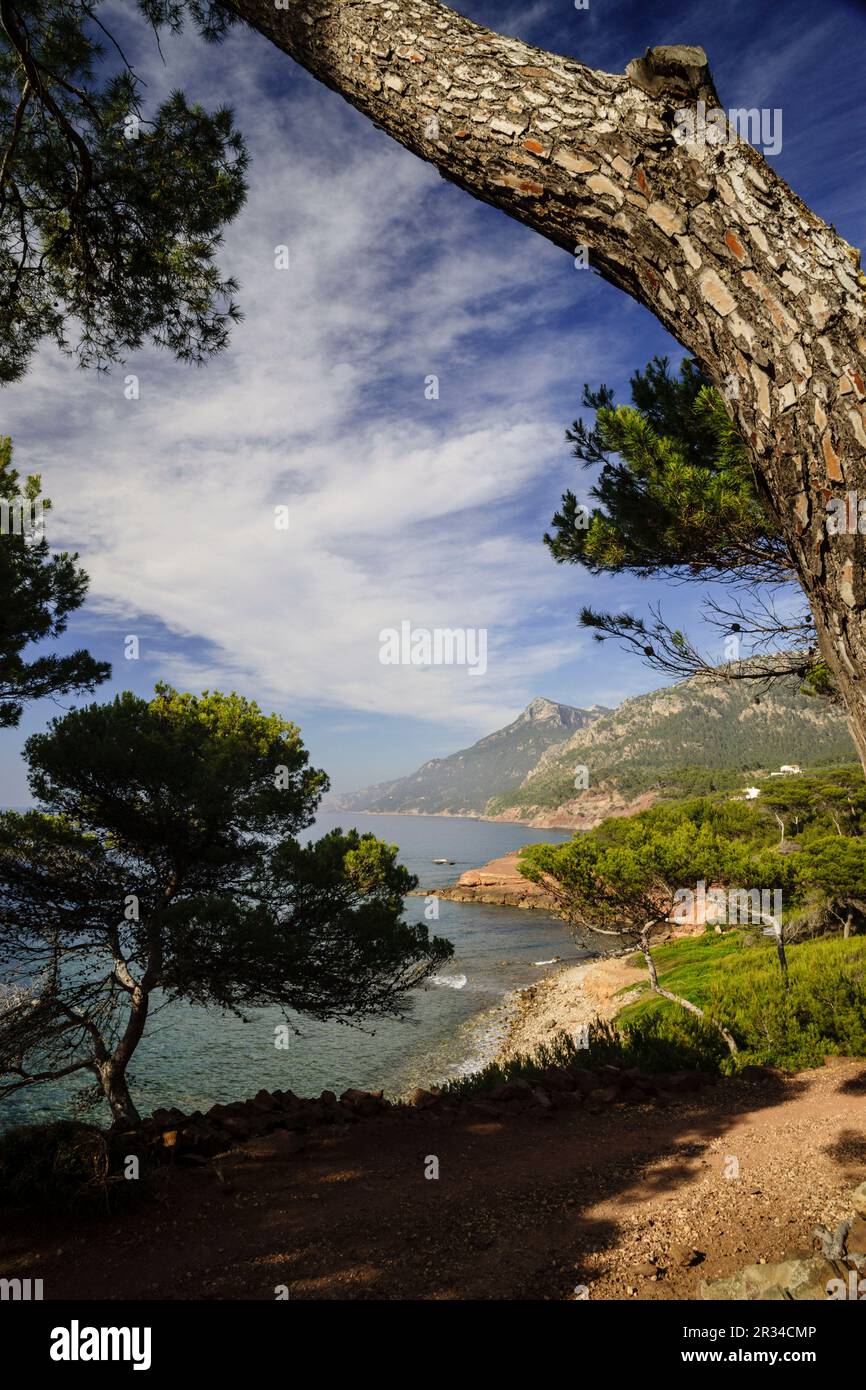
(201, 1140)
(265, 1100)
(166, 1119)
(609, 1075)
(584, 1080)
(237, 1126)
(567, 1100)
(297, 1120)
(800, 1280)
(512, 1090)
(558, 1079)
(683, 1256)
(755, 1073)
(856, 1242)
(540, 1097)
(484, 1109)
(858, 1199)
(683, 1082)
(633, 1096)
(601, 1097)
(421, 1099)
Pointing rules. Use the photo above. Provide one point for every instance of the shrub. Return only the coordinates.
(657, 1042)
(823, 1011)
(60, 1165)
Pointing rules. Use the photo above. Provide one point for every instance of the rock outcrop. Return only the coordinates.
(499, 883)
(169, 1134)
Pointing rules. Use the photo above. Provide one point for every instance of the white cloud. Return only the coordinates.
(400, 507)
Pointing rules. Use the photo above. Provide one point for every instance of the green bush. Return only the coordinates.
(61, 1165)
(823, 1011)
(656, 1043)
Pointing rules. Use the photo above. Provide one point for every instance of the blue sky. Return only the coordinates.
(399, 507)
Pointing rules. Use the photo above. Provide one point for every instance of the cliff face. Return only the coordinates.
(558, 766)
(463, 783)
(701, 735)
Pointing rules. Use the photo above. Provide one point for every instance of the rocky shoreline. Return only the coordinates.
(499, 884)
(568, 999)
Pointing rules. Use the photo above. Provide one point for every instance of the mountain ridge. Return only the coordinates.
(462, 783)
(703, 734)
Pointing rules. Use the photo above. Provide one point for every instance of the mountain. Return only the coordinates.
(704, 734)
(463, 783)
(701, 735)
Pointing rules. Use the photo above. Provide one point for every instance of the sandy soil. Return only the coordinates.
(528, 1207)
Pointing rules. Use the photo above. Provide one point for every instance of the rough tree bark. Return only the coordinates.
(769, 299)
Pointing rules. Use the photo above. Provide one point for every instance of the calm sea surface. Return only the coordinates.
(192, 1057)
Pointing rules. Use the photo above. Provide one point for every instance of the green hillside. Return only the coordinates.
(701, 735)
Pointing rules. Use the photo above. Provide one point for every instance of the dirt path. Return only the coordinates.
(527, 1208)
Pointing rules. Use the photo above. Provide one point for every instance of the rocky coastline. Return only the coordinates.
(499, 884)
(569, 999)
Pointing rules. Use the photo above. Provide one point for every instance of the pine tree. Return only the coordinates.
(165, 863)
(38, 592)
(675, 497)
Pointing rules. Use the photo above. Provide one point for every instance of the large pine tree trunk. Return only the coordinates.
(768, 298)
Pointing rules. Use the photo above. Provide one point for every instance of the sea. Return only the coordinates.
(193, 1057)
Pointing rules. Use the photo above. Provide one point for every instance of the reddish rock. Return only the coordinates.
(584, 1080)
(422, 1099)
(601, 1097)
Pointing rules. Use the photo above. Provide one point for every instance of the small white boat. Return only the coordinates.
(443, 861)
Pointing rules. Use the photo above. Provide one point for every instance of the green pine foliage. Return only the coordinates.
(38, 593)
(675, 489)
(110, 215)
(674, 495)
(166, 862)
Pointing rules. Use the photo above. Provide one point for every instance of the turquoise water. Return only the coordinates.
(192, 1057)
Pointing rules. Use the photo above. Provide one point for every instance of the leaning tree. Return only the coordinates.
(770, 300)
(166, 865)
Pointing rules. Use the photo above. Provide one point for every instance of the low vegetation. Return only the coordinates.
(66, 1166)
(823, 1013)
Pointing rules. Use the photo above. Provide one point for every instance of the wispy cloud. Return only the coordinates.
(400, 506)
